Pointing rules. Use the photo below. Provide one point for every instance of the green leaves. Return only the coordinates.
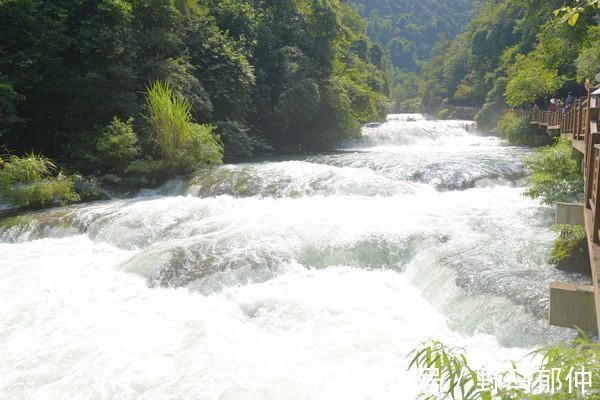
(573, 18)
(34, 181)
(555, 176)
(118, 145)
(459, 381)
(288, 72)
(455, 377)
(571, 14)
(530, 79)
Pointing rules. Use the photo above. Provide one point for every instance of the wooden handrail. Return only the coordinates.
(579, 122)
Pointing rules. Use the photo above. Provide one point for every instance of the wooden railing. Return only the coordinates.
(566, 120)
(579, 122)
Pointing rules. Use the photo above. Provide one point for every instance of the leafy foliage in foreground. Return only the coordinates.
(571, 14)
(555, 176)
(34, 181)
(459, 380)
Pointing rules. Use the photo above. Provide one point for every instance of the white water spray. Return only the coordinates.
(302, 279)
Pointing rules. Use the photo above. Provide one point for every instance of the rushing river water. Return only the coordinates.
(305, 278)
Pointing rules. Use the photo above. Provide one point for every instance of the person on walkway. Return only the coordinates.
(553, 105)
(569, 100)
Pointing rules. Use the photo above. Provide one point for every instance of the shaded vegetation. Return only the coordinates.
(264, 75)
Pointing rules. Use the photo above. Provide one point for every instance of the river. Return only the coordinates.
(303, 278)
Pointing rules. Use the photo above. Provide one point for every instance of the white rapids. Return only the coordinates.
(306, 278)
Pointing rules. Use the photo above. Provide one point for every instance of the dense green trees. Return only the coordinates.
(408, 31)
(513, 52)
(294, 74)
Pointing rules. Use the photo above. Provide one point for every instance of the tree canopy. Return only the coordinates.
(514, 52)
(408, 31)
(286, 74)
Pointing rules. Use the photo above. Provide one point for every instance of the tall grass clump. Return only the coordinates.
(179, 141)
(33, 181)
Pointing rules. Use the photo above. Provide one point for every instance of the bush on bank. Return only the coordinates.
(518, 131)
(570, 251)
(555, 175)
(183, 144)
(444, 113)
(33, 181)
(171, 143)
(117, 145)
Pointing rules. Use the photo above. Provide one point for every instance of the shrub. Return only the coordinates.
(181, 142)
(518, 131)
(88, 189)
(555, 176)
(443, 114)
(146, 172)
(570, 252)
(118, 145)
(34, 181)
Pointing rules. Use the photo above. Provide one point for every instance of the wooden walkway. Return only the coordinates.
(580, 123)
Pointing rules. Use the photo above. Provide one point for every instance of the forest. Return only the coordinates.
(137, 91)
(408, 31)
(342, 252)
(286, 75)
(514, 53)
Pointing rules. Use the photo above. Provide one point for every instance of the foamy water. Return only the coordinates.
(310, 278)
